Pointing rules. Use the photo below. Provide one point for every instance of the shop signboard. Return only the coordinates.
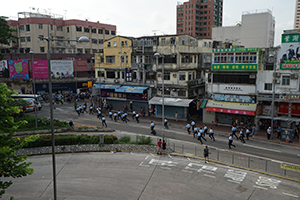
(18, 69)
(234, 67)
(284, 108)
(128, 96)
(234, 98)
(235, 50)
(289, 55)
(233, 89)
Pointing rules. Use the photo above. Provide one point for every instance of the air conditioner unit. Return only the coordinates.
(277, 74)
(277, 81)
(252, 76)
(116, 81)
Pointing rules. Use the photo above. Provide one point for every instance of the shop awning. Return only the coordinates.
(203, 103)
(231, 107)
(171, 102)
(131, 89)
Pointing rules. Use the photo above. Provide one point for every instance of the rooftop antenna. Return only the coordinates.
(65, 14)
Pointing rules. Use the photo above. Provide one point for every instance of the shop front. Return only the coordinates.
(59, 87)
(225, 111)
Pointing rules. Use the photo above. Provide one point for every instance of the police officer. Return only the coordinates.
(195, 131)
(201, 131)
(230, 141)
(233, 132)
(205, 129)
(103, 121)
(211, 134)
(193, 125)
(91, 109)
(78, 110)
(133, 114)
(110, 115)
(152, 125)
(115, 117)
(166, 123)
(188, 127)
(119, 114)
(99, 114)
(137, 118)
(241, 137)
(247, 133)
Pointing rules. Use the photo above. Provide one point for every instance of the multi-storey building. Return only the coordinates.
(197, 17)
(257, 29)
(297, 15)
(30, 26)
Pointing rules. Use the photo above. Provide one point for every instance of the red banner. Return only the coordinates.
(284, 108)
(223, 110)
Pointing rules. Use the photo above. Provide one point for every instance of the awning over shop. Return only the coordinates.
(203, 103)
(171, 102)
(230, 107)
(131, 89)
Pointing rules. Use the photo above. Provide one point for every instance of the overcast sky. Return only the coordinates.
(146, 17)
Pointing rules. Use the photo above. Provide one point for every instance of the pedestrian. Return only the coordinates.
(211, 134)
(205, 129)
(79, 110)
(199, 135)
(188, 127)
(269, 133)
(247, 133)
(130, 106)
(159, 144)
(123, 117)
(71, 125)
(91, 109)
(115, 117)
(233, 132)
(201, 131)
(137, 118)
(99, 114)
(176, 116)
(279, 132)
(166, 123)
(241, 136)
(103, 121)
(193, 125)
(195, 131)
(84, 108)
(75, 106)
(296, 132)
(133, 114)
(144, 112)
(253, 132)
(119, 114)
(205, 154)
(230, 141)
(110, 115)
(164, 147)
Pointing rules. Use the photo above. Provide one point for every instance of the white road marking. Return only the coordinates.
(188, 158)
(166, 168)
(209, 176)
(276, 161)
(170, 156)
(207, 171)
(291, 195)
(260, 187)
(262, 148)
(146, 157)
(234, 181)
(187, 171)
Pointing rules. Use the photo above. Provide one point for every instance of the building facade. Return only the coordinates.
(197, 17)
(297, 15)
(257, 29)
(31, 26)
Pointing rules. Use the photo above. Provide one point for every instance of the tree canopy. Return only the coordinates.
(11, 165)
(6, 33)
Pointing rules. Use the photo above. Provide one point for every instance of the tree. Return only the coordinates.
(6, 33)
(11, 165)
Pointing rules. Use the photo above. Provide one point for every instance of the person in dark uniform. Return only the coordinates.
(233, 132)
(103, 122)
(164, 147)
(230, 141)
(205, 154)
(211, 134)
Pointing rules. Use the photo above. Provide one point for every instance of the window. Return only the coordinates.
(108, 44)
(163, 41)
(190, 76)
(42, 49)
(27, 50)
(28, 39)
(59, 28)
(110, 59)
(115, 44)
(126, 43)
(122, 43)
(68, 29)
(186, 59)
(113, 32)
(22, 39)
(166, 76)
(27, 27)
(110, 74)
(269, 66)
(100, 41)
(21, 28)
(182, 41)
(86, 29)
(94, 30)
(94, 41)
(100, 31)
(268, 86)
(78, 28)
(172, 41)
(87, 51)
(79, 50)
(181, 93)
(182, 76)
(51, 27)
(40, 26)
(285, 80)
(106, 32)
(21, 50)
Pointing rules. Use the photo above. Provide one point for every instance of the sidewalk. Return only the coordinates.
(220, 129)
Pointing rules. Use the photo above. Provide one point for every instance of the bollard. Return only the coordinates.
(249, 162)
(218, 155)
(182, 148)
(266, 165)
(195, 151)
(284, 172)
(173, 147)
(232, 158)
(101, 138)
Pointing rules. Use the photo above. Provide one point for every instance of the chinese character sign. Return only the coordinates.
(18, 69)
(128, 75)
(40, 69)
(289, 56)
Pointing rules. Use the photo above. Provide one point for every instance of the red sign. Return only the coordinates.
(223, 110)
(284, 108)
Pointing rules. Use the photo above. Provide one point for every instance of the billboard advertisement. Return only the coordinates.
(234, 98)
(4, 72)
(289, 55)
(18, 69)
(40, 69)
(61, 68)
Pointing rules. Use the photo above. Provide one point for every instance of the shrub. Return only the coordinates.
(110, 139)
(123, 140)
(143, 140)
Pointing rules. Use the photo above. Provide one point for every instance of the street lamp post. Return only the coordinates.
(82, 39)
(33, 82)
(157, 55)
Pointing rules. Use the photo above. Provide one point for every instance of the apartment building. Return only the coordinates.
(297, 15)
(197, 17)
(31, 26)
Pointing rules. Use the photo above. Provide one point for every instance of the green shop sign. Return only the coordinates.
(235, 50)
(291, 38)
(234, 67)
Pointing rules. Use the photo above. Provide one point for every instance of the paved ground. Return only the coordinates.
(145, 176)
